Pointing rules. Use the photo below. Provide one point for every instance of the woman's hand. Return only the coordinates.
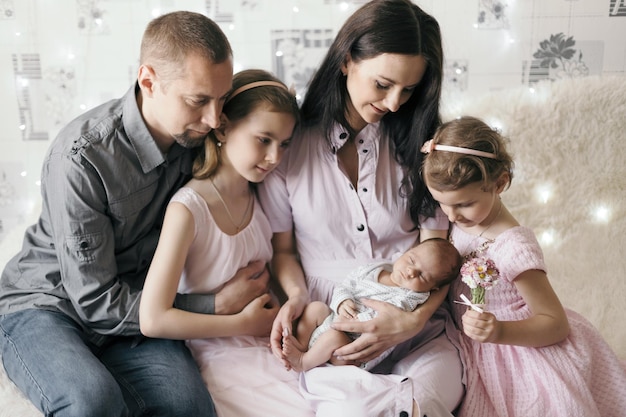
(390, 327)
(291, 310)
(482, 327)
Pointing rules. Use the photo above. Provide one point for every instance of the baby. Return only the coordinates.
(406, 283)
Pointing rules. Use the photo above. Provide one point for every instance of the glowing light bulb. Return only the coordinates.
(22, 127)
(279, 53)
(496, 125)
(23, 173)
(547, 237)
(231, 26)
(344, 6)
(98, 21)
(544, 193)
(295, 9)
(156, 12)
(602, 214)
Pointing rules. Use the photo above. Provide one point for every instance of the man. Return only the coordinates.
(69, 300)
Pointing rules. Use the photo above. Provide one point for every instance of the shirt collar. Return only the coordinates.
(340, 135)
(144, 144)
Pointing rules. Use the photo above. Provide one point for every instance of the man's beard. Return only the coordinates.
(186, 141)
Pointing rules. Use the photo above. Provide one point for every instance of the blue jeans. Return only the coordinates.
(50, 358)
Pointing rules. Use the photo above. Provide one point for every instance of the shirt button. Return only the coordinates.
(404, 414)
(364, 190)
(364, 150)
(360, 228)
(343, 135)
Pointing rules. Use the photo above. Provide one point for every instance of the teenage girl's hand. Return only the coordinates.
(282, 326)
(248, 283)
(259, 315)
(482, 327)
(390, 327)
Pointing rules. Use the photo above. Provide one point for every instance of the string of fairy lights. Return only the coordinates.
(601, 213)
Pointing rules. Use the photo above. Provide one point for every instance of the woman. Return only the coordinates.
(340, 199)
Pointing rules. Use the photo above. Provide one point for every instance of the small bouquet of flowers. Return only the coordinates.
(480, 274)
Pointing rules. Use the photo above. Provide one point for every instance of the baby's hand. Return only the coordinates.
(347, 309)
(482, 327)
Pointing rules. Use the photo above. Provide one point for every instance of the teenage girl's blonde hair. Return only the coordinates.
(275, 98)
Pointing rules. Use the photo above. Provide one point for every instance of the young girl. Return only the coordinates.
(214, 225)
(525, 355)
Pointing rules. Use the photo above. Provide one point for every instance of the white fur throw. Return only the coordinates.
(568, 139)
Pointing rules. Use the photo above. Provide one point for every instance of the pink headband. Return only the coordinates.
(430, 146)
(253, 85)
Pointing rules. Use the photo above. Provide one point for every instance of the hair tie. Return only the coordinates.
(431, 146)
(253, 85)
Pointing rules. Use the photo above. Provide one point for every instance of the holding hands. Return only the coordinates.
(247, 295)
(249, 282)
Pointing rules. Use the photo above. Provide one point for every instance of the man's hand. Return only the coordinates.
(248, 283)
(390, 327)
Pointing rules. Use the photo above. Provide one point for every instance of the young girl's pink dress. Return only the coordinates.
(580, 376)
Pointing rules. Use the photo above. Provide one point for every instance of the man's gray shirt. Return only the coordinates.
(105, 185)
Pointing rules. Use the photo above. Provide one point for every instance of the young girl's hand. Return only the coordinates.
(482, 327)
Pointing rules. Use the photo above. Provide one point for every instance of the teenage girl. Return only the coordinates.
(214, 224)
(525, 355)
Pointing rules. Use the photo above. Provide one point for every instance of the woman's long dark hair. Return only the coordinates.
(378, 27)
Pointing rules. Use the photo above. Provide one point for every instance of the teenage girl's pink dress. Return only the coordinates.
(242, 375)
(580, 376)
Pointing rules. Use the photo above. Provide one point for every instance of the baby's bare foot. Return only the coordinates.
(293, 352)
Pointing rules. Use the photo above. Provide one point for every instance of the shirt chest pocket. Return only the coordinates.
(136, 213)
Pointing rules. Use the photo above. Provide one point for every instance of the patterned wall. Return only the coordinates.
(59, 58)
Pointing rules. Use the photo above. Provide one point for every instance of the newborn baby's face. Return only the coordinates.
(415, 270)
